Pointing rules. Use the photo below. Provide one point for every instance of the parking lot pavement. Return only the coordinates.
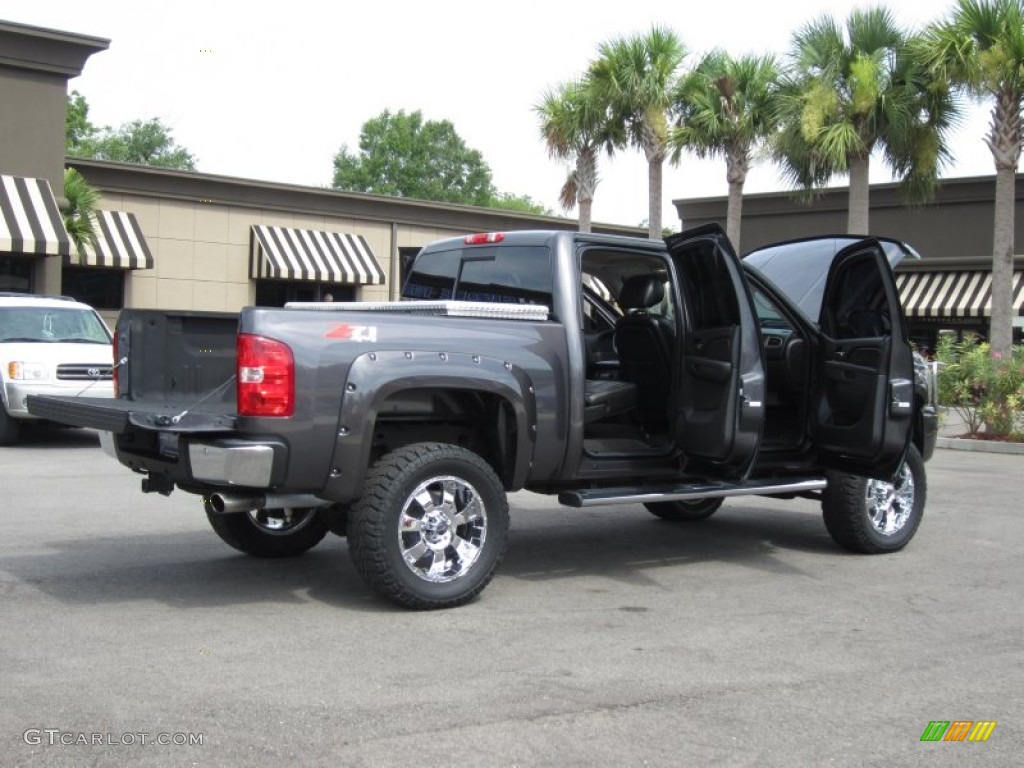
(607, 637)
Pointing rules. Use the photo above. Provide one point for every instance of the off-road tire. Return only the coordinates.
(847, 509)
(684, 511)
(8, 427)
(241, 531)
(390, 523)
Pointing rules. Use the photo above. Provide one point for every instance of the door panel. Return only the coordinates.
(721, 395)
(860, 413)
(712, 381)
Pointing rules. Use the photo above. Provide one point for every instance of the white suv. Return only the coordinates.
(49, 345)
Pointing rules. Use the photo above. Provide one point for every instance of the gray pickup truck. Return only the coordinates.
(601, 369)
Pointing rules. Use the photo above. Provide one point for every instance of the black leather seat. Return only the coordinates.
(605, 397)
(644, 343)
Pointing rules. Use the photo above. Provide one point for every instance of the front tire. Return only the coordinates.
(874, 516)
(270, 533)
(430, 528)
(8, 427)
(684, 511)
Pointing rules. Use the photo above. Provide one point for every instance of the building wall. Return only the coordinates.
(201, 250)
(35, 65)
(198, 229)
(956, 225)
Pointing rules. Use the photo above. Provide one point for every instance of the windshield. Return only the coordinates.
(51, 325)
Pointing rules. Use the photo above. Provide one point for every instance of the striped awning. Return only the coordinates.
(119, 243)
(29, 219)
(953, 293)
(306, 254)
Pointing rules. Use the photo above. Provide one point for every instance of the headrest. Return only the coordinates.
(641, 292)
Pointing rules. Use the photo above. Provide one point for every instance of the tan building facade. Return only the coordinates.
(187, 240)
(204, 235)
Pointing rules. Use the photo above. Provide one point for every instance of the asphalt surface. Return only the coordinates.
(607, 637)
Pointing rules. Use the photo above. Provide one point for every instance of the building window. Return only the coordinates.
(15, 274)
(276, 293)
(406, 256)
(99, 287)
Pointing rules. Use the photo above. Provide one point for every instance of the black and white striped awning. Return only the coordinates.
(30, 222)
(119, 243)
(306, 254)
(953, 293)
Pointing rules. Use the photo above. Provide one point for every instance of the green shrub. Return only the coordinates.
(983, 390)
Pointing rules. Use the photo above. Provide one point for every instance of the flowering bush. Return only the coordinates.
(982, 389)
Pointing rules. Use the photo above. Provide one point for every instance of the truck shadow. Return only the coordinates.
(195, 570)
(630, 546)
(33, 436)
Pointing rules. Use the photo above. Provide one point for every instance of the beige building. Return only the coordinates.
(221, 243)
(186, 240)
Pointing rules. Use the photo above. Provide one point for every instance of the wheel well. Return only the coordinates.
(482, 422)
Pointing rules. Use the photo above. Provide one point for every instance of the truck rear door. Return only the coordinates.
(721, 395)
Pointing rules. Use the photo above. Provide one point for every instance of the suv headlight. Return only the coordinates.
(20, 371)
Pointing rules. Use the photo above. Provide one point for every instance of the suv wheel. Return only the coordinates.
(430, 528)
(8, 427)
(874, 516)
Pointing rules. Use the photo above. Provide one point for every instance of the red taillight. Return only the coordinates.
(266, 377)
(482, 238)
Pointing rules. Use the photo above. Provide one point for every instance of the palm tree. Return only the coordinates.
(980, 49)
(80, 211)
(726, 108)
(637, 77)
(575, 126)
(846, 95)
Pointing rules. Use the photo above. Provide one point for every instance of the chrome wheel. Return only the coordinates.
(442, 529)
(890, 505)
(282, 521)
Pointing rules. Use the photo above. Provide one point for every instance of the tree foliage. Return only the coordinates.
(518, 203)
(576, 125)
(77, 127)
(637, 76)
(146, 142)
(403, 155)
(979, 48)
(852, 89)
(80, 211)
(727, 108)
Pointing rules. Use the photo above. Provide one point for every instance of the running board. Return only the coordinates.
(593, 497)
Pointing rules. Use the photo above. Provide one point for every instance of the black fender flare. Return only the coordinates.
(375, 376)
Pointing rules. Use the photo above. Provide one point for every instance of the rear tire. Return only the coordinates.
(430, 528)
(270, 533)
(8, 427)
(684, 511)
(872, 516)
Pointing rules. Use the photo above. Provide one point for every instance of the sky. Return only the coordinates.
(271, 91)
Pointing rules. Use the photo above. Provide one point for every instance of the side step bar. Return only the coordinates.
(594, 497)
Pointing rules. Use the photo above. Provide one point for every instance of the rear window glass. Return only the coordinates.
(505, 274)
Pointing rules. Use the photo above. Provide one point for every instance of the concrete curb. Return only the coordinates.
(981, 446)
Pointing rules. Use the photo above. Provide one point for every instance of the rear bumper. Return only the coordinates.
(192, 449)
(233, 463)
(16, 393)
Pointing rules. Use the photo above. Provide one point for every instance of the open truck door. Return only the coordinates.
(720, 406)
(862, 400)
